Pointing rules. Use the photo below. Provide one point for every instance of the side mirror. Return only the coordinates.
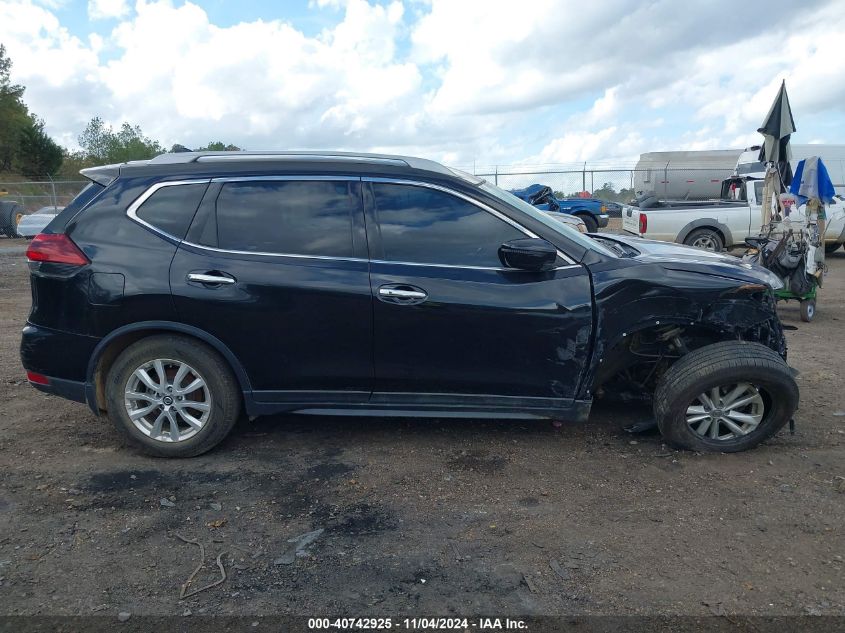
(530, 253)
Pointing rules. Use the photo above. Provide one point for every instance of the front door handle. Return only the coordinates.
(213, 277)
(403, 294)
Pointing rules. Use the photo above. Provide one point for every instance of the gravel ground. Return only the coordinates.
(420, 516)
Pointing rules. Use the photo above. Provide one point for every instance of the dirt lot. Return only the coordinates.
(425, 517)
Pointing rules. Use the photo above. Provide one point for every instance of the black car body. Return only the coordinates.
(368, 284)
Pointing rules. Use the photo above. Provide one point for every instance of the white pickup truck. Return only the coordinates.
(718, 224)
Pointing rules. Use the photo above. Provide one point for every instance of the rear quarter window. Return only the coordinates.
(171, 208)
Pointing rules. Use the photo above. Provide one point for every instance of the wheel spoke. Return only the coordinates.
(746, 418)
(196, 406)
(702, 428)
(180, 375)
(144, 377)
(703, 397)
(728, 400)
(692, 419)
(140, 413)
(162, 376)
(714, 430)
(189, 419)
(156, 430)
(173, 425)
(715, 396)
(733, 426)
(196, 384)
(695, 409)
(137, 395)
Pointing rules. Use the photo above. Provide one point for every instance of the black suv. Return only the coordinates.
(177, 293)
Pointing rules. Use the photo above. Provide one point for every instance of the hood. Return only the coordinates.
(533, 193)
(686, 258)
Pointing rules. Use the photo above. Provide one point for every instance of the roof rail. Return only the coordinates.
(215, 157)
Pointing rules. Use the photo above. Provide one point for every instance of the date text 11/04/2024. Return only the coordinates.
(463, 624)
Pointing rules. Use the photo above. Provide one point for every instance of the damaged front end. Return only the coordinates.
(644, 327)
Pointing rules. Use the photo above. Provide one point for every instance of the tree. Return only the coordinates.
(101, 144)
(14, 115)
(218, 146)
(38, 155)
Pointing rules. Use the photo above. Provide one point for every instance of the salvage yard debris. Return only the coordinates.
(183, 591)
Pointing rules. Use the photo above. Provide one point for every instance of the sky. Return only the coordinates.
(466, 82)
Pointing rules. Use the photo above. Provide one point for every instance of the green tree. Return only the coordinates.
(102, 144)
(218, 146)
(14, 115)
(38, 155)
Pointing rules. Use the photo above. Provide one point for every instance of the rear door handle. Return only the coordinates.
(403, 294)
(213, 277)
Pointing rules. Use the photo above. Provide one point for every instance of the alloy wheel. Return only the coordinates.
(727, 412)
(167, 400)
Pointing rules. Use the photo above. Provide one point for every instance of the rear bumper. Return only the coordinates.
(61, 357)
(68, 389)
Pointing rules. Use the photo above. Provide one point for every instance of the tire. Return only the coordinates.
(220, 394)
(590, 221)
(808, 310)
(832, 248)
(9, 212)
(705, 239)
(725, 366)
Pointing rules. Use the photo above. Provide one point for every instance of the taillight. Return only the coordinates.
(643, 222)
(55, 249)
(38, 379)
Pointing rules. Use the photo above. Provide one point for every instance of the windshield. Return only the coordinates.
(571, 233)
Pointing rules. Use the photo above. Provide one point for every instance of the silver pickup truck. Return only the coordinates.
(718, 224)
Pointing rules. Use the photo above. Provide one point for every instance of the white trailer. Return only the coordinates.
(688, 175)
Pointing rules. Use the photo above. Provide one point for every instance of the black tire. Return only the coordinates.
(698, 237)
(717, 365)
(222, 385)
(590, 221)
(9, 211)
(832, 247)
(808, 310)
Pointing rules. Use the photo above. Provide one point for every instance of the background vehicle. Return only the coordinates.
(570, 220)
(31, 225)
(175, 293)
(748, 163)
(592, 211)
(684, 175)
(717, 224)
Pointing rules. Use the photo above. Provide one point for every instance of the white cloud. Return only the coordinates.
(493, 80)
(107, 9)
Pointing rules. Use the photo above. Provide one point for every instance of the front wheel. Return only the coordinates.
(590, 221)
(726, 397)
(172, 396)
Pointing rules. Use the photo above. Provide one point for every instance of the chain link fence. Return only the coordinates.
(37, 195)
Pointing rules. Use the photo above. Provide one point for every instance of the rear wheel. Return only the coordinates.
(726, 397)
(172, 396)
(705, 239)
(808, 310)
(590, 221)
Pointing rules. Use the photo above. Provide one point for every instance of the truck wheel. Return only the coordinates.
(725, 397)
(9, 212)
(832, 247)
(706, 239)
(590, 221)
(172, 396)
(808, 310)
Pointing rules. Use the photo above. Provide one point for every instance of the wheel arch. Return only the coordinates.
(108, 349)
(707, 223)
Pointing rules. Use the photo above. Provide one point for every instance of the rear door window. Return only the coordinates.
(171, 208)
(294, 217)
(427, 226)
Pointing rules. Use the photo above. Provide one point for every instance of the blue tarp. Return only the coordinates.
(812, 181)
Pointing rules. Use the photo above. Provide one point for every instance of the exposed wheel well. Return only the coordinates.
(119, 343)
(636, 362)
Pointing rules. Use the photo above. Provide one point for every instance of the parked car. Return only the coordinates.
(592, 211)
(570, 220)
(175, 294)
(714, 225)
(31, 225)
